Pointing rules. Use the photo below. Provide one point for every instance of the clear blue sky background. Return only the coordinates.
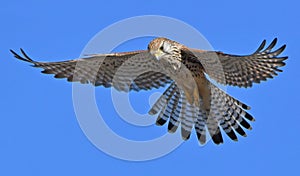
(39, 132)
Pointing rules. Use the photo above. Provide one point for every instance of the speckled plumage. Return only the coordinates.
(190, 100)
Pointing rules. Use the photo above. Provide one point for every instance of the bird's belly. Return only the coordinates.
(195, 87)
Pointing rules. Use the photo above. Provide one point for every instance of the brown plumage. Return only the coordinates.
(190, 99)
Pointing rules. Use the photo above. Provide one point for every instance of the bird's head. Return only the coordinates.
(164, 48)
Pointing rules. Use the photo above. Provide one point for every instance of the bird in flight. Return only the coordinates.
(190, 100)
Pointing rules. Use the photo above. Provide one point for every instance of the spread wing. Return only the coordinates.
(238, 70)
(125, 71)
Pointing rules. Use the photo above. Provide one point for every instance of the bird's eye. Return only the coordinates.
(162, 48)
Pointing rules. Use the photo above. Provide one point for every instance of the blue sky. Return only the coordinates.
(39, 131)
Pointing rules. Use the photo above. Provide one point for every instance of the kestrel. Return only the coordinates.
(191, 99)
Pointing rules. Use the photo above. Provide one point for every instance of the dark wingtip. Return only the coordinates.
(26, 58)
(285, 58)
(12, 51)
(279, 50)
(271, 46)
(283, 47)
(274, 41)
(261, 46)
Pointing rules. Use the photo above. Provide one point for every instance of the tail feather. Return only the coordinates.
(233, 112)
(183, 114)
(167, 109)
(225, 113)
(175, 114)
(214, 130)
(161, 102)
(228, 130)
(200, 127)
(187, 119)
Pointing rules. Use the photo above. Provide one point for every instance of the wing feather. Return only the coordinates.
(125, 71)
(241, 71)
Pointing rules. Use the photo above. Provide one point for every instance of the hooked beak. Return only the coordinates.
(156, 53)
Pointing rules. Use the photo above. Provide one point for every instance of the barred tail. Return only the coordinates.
(225, 113)
(173, 106)
(229, 113)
